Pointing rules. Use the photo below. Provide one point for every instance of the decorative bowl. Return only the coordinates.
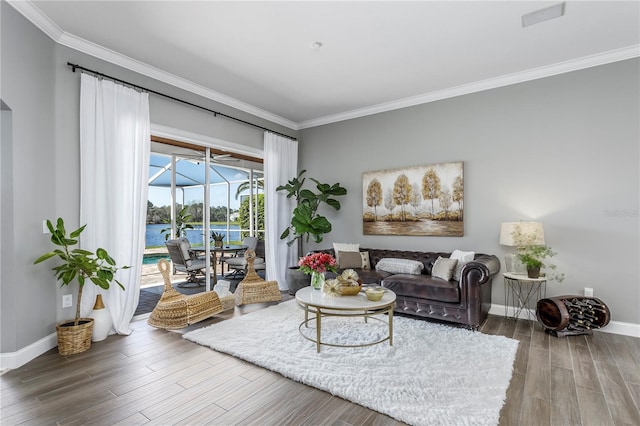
(374, 294)
(350, 290)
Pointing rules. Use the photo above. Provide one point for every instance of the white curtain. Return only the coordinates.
(280, 165)
(114, 166)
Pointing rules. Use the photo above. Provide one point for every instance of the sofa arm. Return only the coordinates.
(480, 270)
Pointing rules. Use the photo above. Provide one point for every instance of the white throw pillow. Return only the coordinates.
(338, 247)
(463, 257)
(400, 266)
(443, 268)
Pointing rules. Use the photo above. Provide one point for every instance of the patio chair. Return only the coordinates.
(185, 260)
(253, 289)
(239, 264)
(176, 310)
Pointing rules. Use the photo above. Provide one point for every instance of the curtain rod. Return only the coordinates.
(75, 67)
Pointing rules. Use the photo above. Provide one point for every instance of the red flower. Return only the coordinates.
(318, 262)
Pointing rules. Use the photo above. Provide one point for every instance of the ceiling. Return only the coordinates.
(375, 56)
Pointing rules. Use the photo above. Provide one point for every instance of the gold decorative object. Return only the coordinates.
(332, 288)
(350, 283)
(374, 294)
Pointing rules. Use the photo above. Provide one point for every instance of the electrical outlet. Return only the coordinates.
(45, 229)
(67, 300)
(588, 292)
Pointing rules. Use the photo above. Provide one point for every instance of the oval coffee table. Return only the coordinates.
(316, 302)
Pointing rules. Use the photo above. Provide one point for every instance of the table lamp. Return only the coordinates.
(520, 234)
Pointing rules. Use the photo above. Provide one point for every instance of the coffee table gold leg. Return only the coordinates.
(306, 316)
(318, 322)
(391, 327)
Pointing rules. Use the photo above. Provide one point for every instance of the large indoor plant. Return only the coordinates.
(306, 221)
(74, 336)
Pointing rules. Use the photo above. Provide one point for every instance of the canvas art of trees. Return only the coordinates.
(425, 200)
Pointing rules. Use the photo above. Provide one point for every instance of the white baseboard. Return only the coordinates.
(614, 327)
(19, 358)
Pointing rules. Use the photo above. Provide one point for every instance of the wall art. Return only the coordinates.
(423, 200)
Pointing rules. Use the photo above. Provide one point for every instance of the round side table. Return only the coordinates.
(523, 291)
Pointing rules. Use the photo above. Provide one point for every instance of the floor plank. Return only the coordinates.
(154, 377)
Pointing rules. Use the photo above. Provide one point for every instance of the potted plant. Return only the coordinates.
(217, 238)
(182, 219)
(306, 221)
(74, 336)
(533, 256)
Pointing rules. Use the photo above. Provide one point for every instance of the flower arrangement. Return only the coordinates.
(318, 262)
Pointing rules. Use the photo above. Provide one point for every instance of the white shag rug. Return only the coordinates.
(432, 375)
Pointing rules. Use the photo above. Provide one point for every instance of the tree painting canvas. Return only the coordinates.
(423, 200)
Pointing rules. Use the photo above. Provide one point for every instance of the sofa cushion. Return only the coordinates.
(463, 258)
(353, 260)
(399, 266)
(423, 287)
(444, 268)
(339, 247)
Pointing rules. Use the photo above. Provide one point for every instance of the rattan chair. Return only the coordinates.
(176, 310)
(253, 289)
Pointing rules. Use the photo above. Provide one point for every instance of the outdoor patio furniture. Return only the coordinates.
(185, 260)
(176, 310)
(253, 289)
(239, 264)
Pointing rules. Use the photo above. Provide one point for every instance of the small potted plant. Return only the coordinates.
(217, 238)
(74, 336)
(533, 256)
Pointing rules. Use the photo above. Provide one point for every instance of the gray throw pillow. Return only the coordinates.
(353, 260)
(444, 268)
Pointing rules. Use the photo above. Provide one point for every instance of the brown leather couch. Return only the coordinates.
(466, 302)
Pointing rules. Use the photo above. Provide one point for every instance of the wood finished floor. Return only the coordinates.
(155, 377)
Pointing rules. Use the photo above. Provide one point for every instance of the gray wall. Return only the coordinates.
(44, 95)
(28, 312)
(562, 150)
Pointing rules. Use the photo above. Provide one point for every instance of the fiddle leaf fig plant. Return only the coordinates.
(78, 264)
(306, 222)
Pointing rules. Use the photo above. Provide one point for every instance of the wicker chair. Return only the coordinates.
(253, 289)
(176, 310)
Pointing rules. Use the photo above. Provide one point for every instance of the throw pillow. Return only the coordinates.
(400, 266)
(338, 247)
(353, 260)
(443, 268)
(463, 258)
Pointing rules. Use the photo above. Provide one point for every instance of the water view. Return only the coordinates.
(195, 236)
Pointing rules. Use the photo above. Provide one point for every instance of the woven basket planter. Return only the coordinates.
(73, 339)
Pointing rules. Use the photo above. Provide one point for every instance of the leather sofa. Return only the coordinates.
(464, 302)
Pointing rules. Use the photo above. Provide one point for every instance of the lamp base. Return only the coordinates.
(514, 265)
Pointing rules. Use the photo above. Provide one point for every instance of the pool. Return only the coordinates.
(152, 259)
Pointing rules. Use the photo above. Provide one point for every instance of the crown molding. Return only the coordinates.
(479, 86)
(40, 20)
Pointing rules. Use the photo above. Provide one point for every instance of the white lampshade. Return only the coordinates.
(518, 234)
